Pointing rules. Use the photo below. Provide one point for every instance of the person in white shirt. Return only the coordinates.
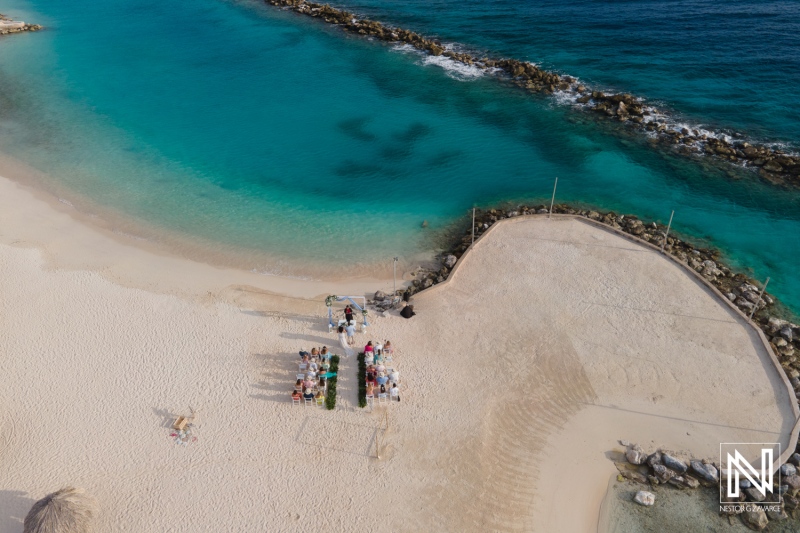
(351, 334)
(394, 392)
(394, 376)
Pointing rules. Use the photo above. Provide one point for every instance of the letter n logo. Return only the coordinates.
(739, 469)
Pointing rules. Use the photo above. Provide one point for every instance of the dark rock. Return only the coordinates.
(654, 459)
(788, 470)
(792, 481)
(450, 261)
(380, 296)
(754, 495)
(663, 473)
(706, 472)
(674, 464)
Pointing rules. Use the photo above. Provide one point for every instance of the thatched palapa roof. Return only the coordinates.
(69, 510)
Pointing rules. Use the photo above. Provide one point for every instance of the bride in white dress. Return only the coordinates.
(343, 341)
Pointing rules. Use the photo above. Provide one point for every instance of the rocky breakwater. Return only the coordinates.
(662, 468)
(774, 165)
(7, 25)
(741, 290)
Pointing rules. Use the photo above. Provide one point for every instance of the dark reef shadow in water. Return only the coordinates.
(354, 128)
(351, 169)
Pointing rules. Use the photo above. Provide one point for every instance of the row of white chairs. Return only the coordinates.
(308, 401)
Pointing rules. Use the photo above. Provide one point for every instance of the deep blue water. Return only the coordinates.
(266, 135)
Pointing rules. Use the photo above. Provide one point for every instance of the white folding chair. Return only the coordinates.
(309, 401)
(320, 401)
(295, 401)
(301, 377)
(302, 367)
(370, 398)
(383, 397)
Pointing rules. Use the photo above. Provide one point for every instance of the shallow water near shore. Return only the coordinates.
(689, 511)
(288, 144)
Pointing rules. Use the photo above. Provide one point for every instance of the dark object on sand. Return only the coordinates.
(407, 295)
(407, 312)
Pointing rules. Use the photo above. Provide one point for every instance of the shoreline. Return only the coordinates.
(773, 165)
(131, 232)
(31, 219)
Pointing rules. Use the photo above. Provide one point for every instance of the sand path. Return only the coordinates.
(553, 340)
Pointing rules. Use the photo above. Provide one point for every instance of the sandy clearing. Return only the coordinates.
(553, 340)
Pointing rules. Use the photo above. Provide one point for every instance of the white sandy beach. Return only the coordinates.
(553, 340)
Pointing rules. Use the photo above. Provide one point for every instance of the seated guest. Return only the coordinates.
(368, 348)
(319, 395)
(311, 374)
(303, 353)
(306, 359)
(313, 366)
(308, 383)
(394, 376)
(321, 384)
(298, 385)
(378, 349)
(394, 392)
(387, 348)
(383, 389)
(368, 358)
(380, 368)
(370, 389)
(314, 353)
(296, 395)
(308, 394)
(371, 376)
(382, 379)
(323, 354)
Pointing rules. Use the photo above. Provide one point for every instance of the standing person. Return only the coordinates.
(348, 314)
(351, 334)
(343, 341)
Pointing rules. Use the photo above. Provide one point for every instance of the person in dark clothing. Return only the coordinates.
(407, 312)
(348, 314)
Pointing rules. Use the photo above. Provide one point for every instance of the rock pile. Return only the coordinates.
(774, 165)
(662, 468)
(7, 25)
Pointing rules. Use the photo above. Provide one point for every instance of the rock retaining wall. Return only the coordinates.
(774, 165)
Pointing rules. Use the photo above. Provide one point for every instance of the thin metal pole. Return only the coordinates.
(755, 305)
(473, 225)
(553, 199)
(663, 244)
(394, 275)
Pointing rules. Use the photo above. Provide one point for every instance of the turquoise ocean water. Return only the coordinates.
(297, 148)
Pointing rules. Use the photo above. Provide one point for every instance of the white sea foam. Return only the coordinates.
(65, 202)
(453, 69)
